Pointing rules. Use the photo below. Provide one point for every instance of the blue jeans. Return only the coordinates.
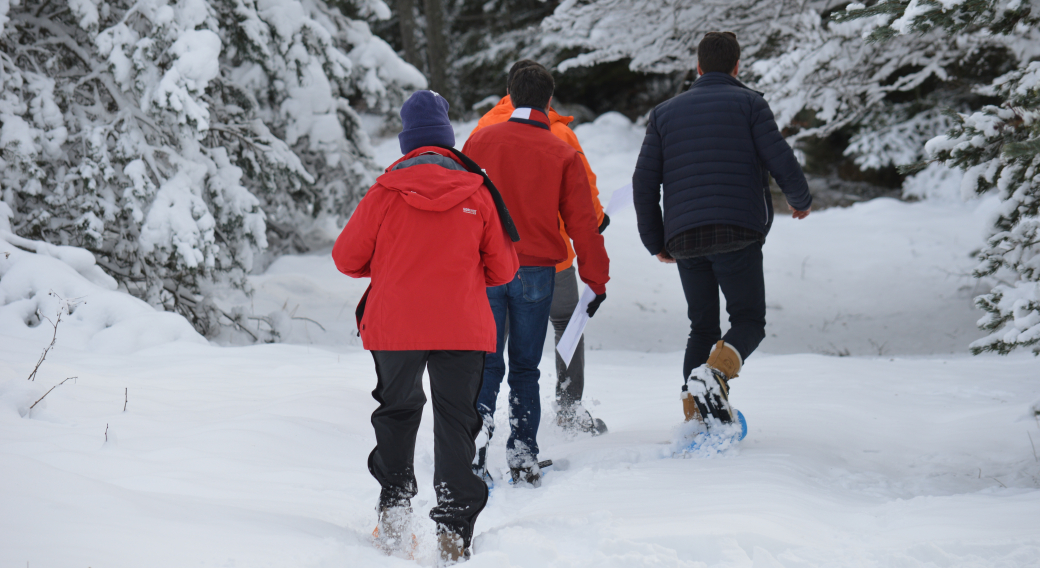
(523, 305)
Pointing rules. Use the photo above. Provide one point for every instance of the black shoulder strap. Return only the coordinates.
(500, 204)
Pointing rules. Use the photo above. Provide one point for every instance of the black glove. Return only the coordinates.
(603, 225)
(594, 304)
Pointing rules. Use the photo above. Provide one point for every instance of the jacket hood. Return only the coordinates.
(428, 186)
(504, 109)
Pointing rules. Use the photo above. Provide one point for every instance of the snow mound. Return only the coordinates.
(39, 282)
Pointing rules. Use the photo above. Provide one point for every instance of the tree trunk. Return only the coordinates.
(406, 15)
(436, 47)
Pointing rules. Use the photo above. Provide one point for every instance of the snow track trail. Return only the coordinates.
(256, 457)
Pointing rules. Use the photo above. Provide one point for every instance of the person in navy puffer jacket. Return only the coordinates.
(713, 149)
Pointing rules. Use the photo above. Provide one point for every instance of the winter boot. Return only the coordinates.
(389, 534)
(451, 548)
(528, 474)
(574, 418)
(725, 359)
(706, 392)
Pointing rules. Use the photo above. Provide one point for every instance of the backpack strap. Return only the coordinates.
(500, 204)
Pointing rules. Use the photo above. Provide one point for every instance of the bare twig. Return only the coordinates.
(49, 392)
(54, 338)
(1034, 446)
(126, 398)
(106, 431)
(998, 481)
(310, 320)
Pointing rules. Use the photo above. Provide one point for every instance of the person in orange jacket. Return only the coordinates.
(570, 381)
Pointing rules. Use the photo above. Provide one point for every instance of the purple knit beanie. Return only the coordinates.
(424, 117)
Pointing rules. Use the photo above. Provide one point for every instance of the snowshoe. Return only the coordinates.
(529, 475)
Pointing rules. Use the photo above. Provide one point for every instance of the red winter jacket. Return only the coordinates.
(543, 180)
(431, 240)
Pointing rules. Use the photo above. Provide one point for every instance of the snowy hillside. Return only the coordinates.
(909, 452)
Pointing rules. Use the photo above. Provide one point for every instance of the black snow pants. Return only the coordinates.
(455, 380)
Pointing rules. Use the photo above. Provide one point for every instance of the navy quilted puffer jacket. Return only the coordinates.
(713, 147)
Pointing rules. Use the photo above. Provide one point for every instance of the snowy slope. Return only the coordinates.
(255, 456)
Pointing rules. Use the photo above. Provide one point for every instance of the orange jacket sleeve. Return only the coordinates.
(563, 132)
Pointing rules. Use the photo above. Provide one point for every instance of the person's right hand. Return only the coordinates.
(666, 258)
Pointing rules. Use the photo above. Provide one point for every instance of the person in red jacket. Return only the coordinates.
(429, 236)
(570, 379)
(542, 180)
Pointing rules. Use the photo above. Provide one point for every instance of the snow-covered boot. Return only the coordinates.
(450, 547)
(389, 534)
(706, 392)
(529, 474)
(574, 418)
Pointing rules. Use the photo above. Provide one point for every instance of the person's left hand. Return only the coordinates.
(666, 258)
(799, 214)
(594, 304)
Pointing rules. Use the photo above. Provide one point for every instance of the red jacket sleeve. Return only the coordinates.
(357, 243)
(496, 249)
(579, 218)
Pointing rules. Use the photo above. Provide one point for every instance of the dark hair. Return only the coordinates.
(523, 63)
(531, 86)
(718, 51)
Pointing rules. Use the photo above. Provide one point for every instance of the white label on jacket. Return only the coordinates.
(468, 210)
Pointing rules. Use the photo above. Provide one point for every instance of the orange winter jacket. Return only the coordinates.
(558, 126)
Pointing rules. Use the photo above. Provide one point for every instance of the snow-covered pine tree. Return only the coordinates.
(998, 146)
(818, 75)
(176, 139)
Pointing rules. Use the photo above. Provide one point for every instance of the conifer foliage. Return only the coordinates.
(998, 147)
(178, 139)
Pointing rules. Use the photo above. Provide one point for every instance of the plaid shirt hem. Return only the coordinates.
(712, 239)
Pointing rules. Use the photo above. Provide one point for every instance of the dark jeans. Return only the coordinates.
(524, 303)
(739, 275)
(570, 381)
(455, 378)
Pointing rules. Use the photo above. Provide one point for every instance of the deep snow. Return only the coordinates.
(255, 456)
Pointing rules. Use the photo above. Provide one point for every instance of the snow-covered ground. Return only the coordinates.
(908, 452)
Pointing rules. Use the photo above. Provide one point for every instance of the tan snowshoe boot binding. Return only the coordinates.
(726, 360)
(451, 548)
(689, 407)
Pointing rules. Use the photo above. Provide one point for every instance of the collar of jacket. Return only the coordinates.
(423, 150)
(720, 78)
(501, 112)
(532, 116)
